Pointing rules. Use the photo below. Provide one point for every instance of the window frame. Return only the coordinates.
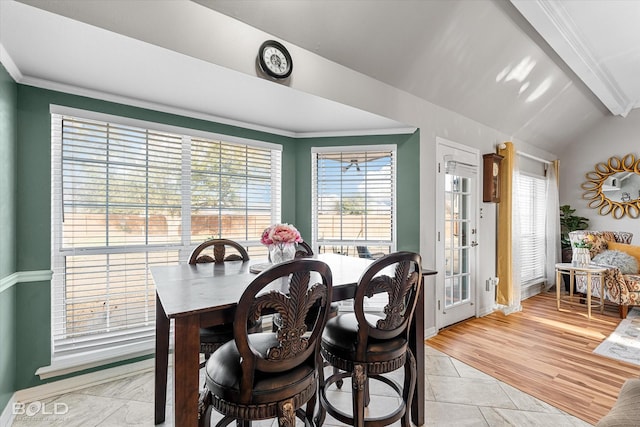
(378, 301)
(355, 149)
(142, 342)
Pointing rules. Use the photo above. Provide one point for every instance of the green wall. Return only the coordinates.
(8, 141)
(408, 179)
(32, 300)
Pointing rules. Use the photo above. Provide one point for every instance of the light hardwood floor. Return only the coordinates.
(544, 352)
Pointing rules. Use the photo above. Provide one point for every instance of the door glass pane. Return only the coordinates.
(456, 239)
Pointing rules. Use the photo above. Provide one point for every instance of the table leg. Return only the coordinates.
(558, 281)
(589, 294)
(161, 362)
(185, 370)
(572, 283)
(601, 292)
(416, 343)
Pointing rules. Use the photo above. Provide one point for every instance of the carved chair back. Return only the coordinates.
(304, 250)
(219, 252)
(399, 275)
(308, 283)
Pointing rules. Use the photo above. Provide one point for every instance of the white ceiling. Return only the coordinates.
(599, 40)
(480, 58)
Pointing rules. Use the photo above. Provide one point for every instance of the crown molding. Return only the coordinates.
(9, 65)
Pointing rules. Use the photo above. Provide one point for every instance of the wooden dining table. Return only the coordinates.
(204, 295)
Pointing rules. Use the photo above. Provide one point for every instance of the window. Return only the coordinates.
(354, 199)
(531, 204)
(128, 195)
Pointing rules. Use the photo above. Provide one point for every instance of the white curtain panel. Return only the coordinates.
(553, 225)
(515, 304)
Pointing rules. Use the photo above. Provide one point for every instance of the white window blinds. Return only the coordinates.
(235, 190)
(354, 199)
(531, 204)
(127, 197)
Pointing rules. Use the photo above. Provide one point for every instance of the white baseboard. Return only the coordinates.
(509, 309)
(529, 291)
(7, 416)
(78, 382)
(430, 332)
(486, 311)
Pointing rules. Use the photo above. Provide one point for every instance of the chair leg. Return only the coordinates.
(339, 382)
(286, 414)
(624, 310)
(310, 410)
(359, 383)
(205, 419)
(204, 408)
(322, 412)
(367, 396)
(410, 373)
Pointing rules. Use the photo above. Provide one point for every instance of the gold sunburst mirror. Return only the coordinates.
(613, 187)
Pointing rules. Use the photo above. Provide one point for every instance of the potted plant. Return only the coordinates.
(569, 222)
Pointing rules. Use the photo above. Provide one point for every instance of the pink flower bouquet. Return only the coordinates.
(281, 240)
(280, 235)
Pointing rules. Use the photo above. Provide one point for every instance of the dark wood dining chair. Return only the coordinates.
(217, 250)
(364, 346)
(364, 252)
(304, 250)
(271, 374)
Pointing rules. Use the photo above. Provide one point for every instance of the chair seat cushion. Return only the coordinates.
(216, 334)
(223, 373)
(224, 333)
(341, 335)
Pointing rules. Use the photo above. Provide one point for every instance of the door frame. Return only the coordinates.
(468, 155)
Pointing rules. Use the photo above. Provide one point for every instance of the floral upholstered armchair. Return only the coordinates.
(612, 249)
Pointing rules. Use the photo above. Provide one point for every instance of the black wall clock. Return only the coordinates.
(275, 59)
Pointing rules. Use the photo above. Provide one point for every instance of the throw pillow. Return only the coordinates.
(632, 250)
(598, 244)
(625, 262)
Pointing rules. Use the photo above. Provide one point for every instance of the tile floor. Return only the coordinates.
(456, 395)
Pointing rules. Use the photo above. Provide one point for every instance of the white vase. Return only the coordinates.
(580, 257)
(282, 252)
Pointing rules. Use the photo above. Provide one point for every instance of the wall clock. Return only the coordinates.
(491, 178)
(275, 59)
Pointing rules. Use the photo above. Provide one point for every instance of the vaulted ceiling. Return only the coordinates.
(480, 58)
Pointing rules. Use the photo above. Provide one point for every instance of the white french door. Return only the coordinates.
(456, 253)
